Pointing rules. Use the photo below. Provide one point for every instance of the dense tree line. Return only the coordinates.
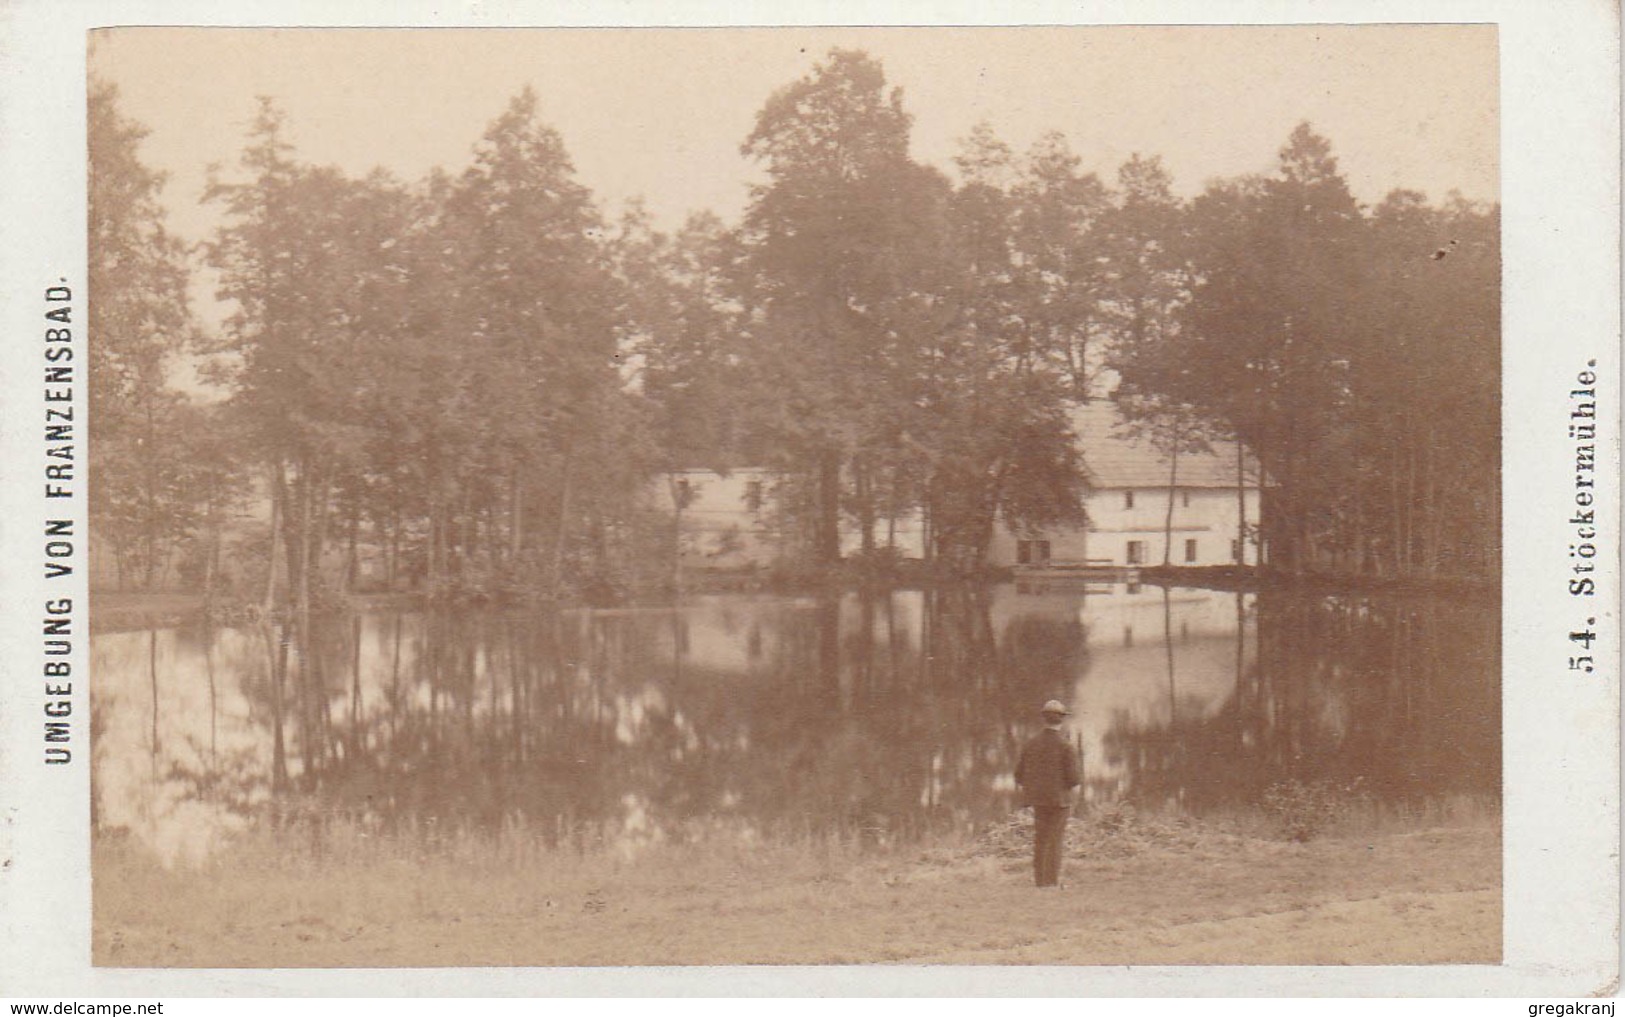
(1356, 352)
(472, 381)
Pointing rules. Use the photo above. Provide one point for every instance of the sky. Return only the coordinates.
(661, 113)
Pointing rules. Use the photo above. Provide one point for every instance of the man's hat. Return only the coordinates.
(1054, 707)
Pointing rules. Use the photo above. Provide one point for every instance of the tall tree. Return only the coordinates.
(140, 324)
(1057, 217)
(682, 330)
(1263, 340)
(1148, 281)
(310, 261)
(1146, 261)
(835, 241)
(535, 291)
(682, 324)
(1425, 498)
(989, 430)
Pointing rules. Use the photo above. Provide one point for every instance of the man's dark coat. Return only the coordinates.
(1048, 770)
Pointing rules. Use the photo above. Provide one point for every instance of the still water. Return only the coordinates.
(884, 715)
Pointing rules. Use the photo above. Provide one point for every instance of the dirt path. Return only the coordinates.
(1403, 928)
(1416, 898)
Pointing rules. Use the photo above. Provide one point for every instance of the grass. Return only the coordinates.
(1142, 889)
(116, 611)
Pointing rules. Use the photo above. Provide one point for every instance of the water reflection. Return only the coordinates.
(879, 716)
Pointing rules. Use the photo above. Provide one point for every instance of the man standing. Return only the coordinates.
(1046, 773)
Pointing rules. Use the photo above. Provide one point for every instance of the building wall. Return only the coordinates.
(727, 521)
(1204, 515)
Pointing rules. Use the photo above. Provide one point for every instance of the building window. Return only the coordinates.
(1128, 499)
(1136, 552)
(1235, 551)
(1128, 635)
(753, 495)
(1185, 499)
(1032, 552)
(1190, 550)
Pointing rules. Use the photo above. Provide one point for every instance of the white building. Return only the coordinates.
(727, 519)
(1128, 505)
(730, 520)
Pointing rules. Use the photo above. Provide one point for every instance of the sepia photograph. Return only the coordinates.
(795, 496)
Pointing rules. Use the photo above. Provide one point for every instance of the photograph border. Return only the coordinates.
(1560, 176)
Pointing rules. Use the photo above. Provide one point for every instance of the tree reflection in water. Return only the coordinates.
(881, 717)
(1397, 698)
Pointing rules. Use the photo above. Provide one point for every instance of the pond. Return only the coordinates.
(890, 716)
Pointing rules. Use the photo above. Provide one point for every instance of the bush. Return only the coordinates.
(1304, 810)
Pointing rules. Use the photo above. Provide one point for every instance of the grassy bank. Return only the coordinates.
(121, 611)
(1139, 891)
(128, 610)
(1251, 578)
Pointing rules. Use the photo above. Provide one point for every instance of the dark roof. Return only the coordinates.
(1115, 456)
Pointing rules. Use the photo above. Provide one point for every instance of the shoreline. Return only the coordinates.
(126, 610)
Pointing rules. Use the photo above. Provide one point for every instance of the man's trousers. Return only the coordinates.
(1049, 831)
